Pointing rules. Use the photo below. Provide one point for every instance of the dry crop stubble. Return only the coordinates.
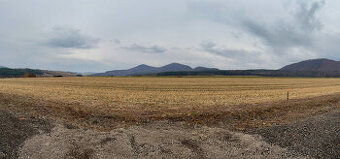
(140, 98)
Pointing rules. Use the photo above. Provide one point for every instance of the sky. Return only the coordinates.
(102, 35)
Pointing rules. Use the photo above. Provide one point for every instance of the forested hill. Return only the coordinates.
(8, 72)
(26, 72)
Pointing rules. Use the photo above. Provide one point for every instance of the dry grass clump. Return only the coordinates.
(144, 98)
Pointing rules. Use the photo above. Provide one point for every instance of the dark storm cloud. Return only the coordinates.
(146, 49)
(66, 37)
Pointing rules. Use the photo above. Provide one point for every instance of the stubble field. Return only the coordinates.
(99, 100)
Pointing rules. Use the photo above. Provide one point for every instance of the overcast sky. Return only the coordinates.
(102, 35)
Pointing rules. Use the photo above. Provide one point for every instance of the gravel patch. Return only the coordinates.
(14, 130)
(317, 137)
(157, 140)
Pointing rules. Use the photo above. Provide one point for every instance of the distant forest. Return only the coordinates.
(269, 73)
(7, 72)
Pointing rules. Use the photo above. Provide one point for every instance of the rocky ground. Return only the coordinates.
(15, 129)
(25, 137)
(317, 137)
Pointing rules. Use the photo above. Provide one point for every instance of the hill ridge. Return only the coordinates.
(144, 69)
(319, 65)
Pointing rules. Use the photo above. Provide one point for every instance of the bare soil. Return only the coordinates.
(156, 140)
(317, 136)
(15, 129)
(313, 135)
(23, 137)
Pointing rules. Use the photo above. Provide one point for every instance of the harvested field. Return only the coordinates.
(99, 100)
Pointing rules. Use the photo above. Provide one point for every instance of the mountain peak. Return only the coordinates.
(173, 67)
(143, 66)
(321, 64)
(176, 64)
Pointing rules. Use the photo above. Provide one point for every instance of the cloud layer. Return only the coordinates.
(146, 49)
(65, 37)
(105, 35)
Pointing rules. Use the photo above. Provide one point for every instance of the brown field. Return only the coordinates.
(139, 99)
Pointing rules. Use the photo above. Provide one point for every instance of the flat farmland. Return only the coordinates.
(153, 98)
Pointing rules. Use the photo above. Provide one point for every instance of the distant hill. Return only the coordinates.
(7, 72)
(264, 73)
(309, 68)
(318, 65)
(47, 73)
(3, 67)
(86, 73)
(205, 69)
(147, 70)
(26, 72)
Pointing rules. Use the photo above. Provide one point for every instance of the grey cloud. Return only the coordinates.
(242, 58)
(279, 36)
(66, 37)
(116, 41)
(328, 44)
(146, 49)
(284, 31)
(285, 34)
(214, 11)
(306, 15)
(210, 47)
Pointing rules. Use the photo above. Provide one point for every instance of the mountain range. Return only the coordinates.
(309, 68)
(148, 70)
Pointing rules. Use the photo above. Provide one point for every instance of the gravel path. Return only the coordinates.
(318, 136)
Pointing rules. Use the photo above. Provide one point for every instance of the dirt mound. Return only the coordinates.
(157, 140)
